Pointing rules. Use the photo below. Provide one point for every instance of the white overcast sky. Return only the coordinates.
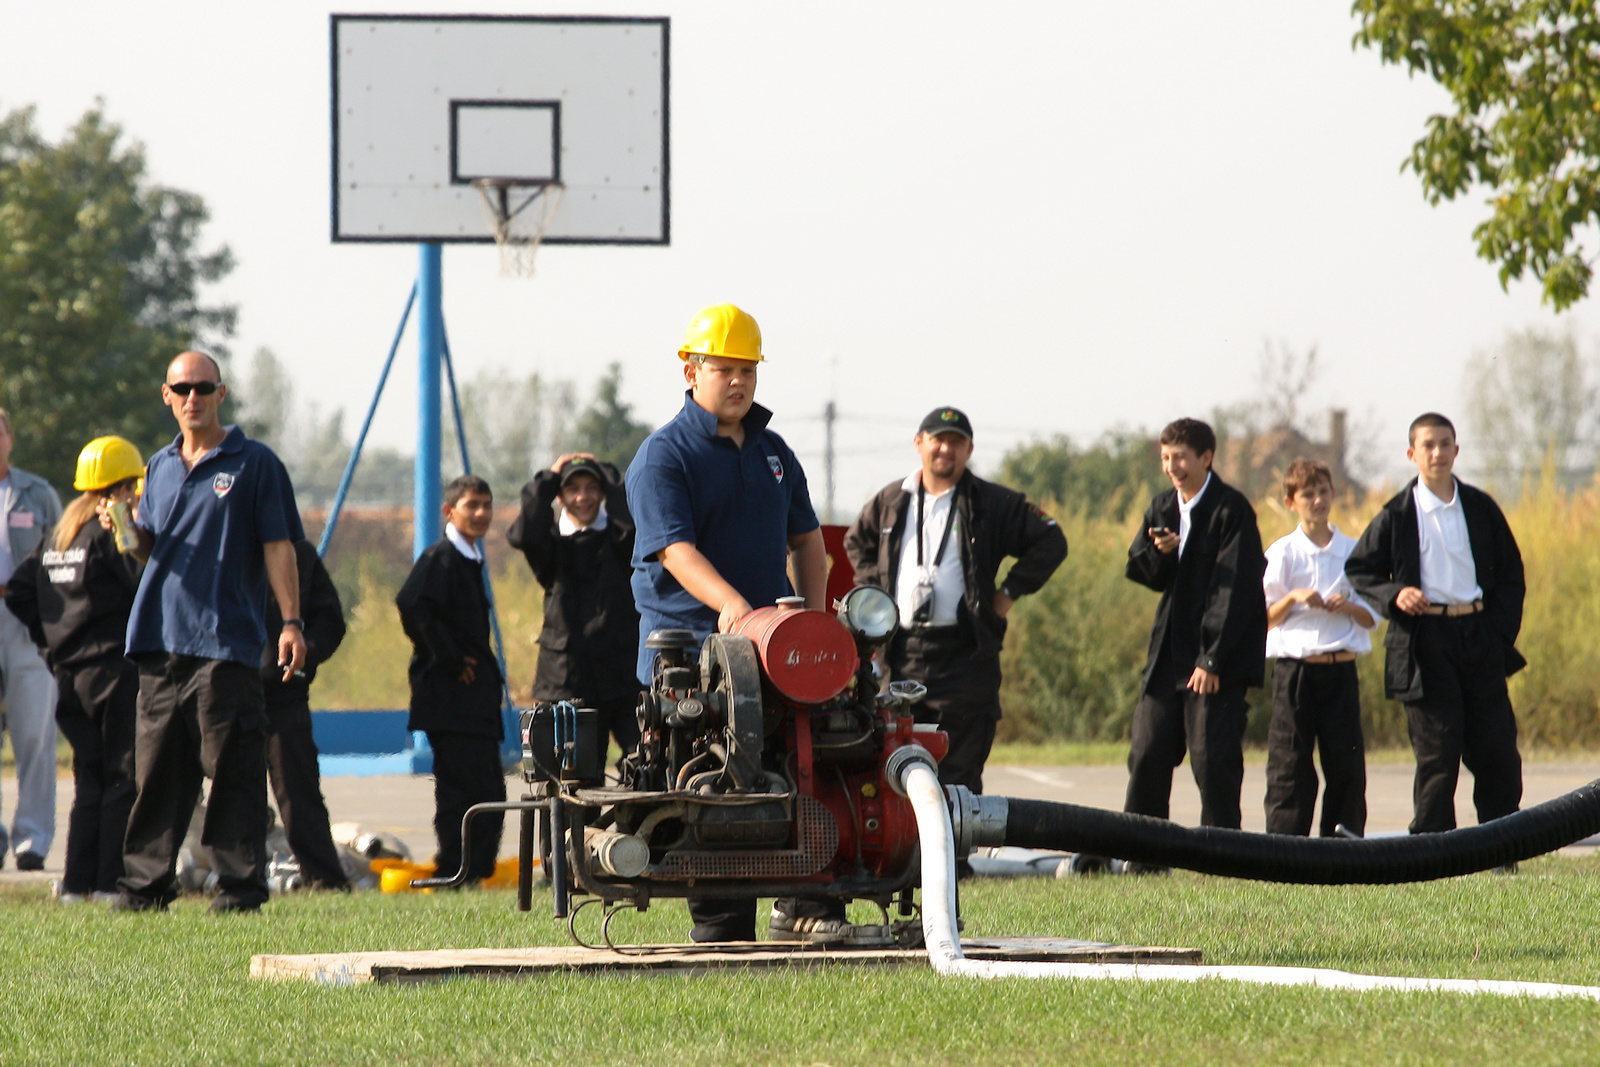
(1063, 217)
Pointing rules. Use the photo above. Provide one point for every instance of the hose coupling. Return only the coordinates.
(977, 821)
(902, 760)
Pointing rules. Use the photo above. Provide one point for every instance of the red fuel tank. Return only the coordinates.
(807, 655)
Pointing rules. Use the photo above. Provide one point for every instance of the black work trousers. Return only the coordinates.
(963, 695)
(198, 718)
(466, 771)
(620, 718)
(1169, 719)
(297, 788)
(96, 711)
(1464, 716)
(1315, 705)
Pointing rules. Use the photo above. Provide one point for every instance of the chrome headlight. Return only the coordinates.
(869, 613)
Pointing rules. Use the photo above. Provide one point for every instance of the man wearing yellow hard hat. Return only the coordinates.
(721, 507)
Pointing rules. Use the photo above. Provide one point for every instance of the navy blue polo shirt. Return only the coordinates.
(204, 591)
(737, 506)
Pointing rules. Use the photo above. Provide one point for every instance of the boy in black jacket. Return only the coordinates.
(455, 679)
(1440, 561)
(577, 535)
(291, 748)
(1200, 549)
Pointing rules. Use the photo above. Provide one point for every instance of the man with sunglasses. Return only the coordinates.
(217, 526)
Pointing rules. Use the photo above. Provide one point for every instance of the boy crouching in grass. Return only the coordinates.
(1317, 626)
(455, 678)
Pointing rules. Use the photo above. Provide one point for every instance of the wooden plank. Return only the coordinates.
(352, 968)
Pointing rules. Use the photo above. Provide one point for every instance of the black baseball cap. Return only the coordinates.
(947, 420)
(582, 466)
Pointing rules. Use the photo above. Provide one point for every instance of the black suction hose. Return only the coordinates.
(1306, 860)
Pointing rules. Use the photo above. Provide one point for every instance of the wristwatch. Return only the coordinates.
(298, 624)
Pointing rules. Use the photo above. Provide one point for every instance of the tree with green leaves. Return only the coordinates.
(607, 427)
(1117, 472)
(1525, 79)
(100, 279)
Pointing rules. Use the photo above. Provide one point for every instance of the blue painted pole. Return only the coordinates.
(427, 491)
(366, 424)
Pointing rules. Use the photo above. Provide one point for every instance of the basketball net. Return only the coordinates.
(519, 212)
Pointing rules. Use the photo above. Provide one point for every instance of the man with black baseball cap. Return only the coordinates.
(935, 541)
(577, 535)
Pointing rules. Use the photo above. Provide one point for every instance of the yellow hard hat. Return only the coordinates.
(722, 330)
(105, 461)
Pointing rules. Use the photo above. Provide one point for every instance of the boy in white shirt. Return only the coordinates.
(1317, 626)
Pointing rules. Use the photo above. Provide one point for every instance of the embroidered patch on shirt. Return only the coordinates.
(221, 484)
(777, 467)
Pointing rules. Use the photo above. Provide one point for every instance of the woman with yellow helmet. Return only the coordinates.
(74, 593)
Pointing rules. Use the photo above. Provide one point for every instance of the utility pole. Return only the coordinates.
(829, 414)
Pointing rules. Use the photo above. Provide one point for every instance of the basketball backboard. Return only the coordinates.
(425, 105)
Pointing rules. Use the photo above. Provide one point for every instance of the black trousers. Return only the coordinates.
(963, 695)
(1464, 716)
(1167, 720)
(620, 718)
(1315, 704)
(198, 718)
(466, 771)
(96, 711)
(297, 788)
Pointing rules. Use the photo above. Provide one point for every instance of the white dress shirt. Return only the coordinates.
(568, 527)
(1449, 574)
(464, 545)
(1297, 562)
(946, 578)
(1184, 508)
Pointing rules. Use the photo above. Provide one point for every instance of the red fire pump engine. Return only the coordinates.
(763, 769)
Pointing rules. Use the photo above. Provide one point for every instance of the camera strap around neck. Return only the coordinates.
(944, 539)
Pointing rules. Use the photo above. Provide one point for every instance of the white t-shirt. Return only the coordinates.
(1297, 562)
(1449, 573)
(7, 564)
(946, 578)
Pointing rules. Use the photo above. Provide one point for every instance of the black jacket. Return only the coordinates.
(323, 615)
(445, 612)
(1389, 557)
(999, 522)
(75, 603)
(1213, 613)
(589, 645)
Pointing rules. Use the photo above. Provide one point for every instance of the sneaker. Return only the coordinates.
(100, 896)
(229, 906)
(826, 931)
(30, 861)
(131, 902)
(61, 896)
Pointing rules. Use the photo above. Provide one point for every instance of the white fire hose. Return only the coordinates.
(919, 782)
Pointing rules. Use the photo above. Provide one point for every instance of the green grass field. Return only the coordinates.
(84, 986)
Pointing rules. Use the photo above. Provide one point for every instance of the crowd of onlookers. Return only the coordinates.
(172, 617)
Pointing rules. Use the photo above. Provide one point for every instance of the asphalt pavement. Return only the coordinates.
(403, 805)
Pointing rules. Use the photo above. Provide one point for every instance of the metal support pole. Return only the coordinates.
(426, 490)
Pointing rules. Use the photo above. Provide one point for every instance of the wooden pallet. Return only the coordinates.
(351, 968)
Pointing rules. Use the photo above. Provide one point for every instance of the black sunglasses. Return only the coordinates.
(185, 388)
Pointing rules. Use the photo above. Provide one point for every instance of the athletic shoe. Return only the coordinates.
(131, 902)
(30, 861)
(826, 931)
(100, 896)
